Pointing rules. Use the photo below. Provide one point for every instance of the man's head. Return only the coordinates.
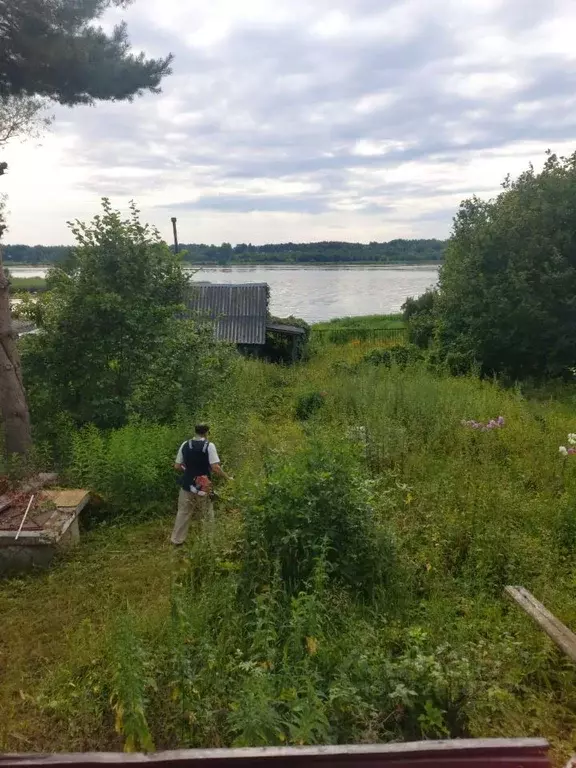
(202, 430)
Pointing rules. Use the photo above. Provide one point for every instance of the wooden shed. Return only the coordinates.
(239, 313)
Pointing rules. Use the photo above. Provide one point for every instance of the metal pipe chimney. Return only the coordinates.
(176, 246)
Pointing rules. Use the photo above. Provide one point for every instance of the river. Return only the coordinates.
(315, 293)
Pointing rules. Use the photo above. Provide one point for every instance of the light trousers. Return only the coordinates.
(191, 507)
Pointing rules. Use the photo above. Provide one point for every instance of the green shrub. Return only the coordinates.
(422, 305)
(421, 330)
(508, 281)
(131, 469)
(420, 318)
(308, 404)
(111, 345)
(316, 505)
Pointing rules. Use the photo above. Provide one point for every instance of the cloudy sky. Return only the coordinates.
(311, 119)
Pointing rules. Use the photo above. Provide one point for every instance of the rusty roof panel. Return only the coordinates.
(240, 311)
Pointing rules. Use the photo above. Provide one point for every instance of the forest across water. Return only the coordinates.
(392, 252)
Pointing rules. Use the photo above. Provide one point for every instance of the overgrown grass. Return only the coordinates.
(282, 628)
(366, 321)
(371, 328)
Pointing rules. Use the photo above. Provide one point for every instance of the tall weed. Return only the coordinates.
(131, 469)
(317, 506)
(129, 684)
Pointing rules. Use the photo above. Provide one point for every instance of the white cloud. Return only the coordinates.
(291, 120)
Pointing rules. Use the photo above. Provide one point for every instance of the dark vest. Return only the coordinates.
(196, 462)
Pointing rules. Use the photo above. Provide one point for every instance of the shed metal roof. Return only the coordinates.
(239, 311)
(291, 330)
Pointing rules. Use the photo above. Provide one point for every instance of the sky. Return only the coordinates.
(305, 120)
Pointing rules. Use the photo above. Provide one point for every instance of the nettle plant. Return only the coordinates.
(317, 505)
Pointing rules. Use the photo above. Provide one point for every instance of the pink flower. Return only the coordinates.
(492, 424)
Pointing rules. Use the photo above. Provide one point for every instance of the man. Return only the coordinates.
(198, 460)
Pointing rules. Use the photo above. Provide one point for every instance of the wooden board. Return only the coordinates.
(67, 499)
(476, 753)
(564, 638)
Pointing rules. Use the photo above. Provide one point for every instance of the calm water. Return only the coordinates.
(321, 293)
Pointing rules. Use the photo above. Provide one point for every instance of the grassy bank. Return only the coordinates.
(368, 328)
(367, 321)
(352, 591)
(27, 284)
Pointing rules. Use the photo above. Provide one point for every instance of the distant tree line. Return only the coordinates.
(393, 252)
(317, 253)
(34, 254)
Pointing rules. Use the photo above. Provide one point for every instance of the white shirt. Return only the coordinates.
(212, 452)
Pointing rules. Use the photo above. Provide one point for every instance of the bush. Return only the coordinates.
(508, 282)
(420, 319)
(111, 345)
(130, 469)
(308, 404)
(316, 506)
(422, 305)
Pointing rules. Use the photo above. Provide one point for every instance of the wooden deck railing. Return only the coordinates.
(472, 753)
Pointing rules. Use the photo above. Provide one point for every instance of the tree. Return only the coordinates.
(51, 51)
(21, 116)
(111, 345)
(13, 399)
(507, 298)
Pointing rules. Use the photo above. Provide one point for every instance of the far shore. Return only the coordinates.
(274, 265)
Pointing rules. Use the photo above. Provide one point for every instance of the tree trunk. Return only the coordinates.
(13, 406)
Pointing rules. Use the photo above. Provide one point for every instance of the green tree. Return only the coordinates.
(507, 297)
(51, 48)
(110, 343)
(53, 52)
